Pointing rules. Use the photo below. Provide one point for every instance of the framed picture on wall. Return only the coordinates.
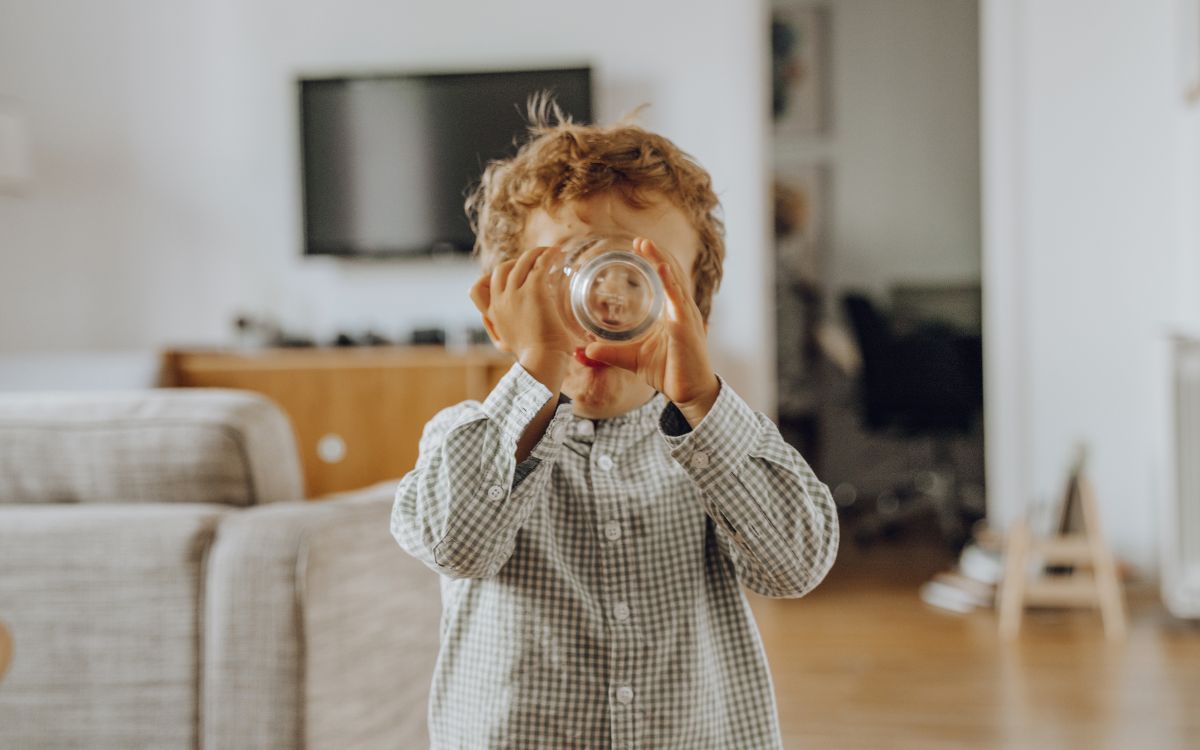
(801, 194)
(15, 167)
(1189, 50)
(800, 210)
(799, 68)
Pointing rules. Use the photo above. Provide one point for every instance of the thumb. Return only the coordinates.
(494, 335)
(481, 294)
(623, 356)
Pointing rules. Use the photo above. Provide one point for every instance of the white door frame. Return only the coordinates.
(1007, 385)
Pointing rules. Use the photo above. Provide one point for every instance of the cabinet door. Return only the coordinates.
(360, 426)
(354, 425)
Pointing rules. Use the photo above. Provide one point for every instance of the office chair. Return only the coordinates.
(926, 384)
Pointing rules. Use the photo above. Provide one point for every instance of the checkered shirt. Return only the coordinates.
(590, 595)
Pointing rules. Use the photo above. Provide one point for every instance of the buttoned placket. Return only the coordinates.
(611, 512)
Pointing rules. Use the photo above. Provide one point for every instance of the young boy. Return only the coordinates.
(593, 517)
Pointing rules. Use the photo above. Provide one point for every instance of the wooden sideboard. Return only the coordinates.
(357, 412)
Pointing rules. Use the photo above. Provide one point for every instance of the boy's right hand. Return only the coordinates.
(520, 312)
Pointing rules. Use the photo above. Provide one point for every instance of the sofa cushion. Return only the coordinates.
(177, 445)
(104, 603)
(318, 595)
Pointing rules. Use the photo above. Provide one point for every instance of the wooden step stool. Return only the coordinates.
(1093, 578)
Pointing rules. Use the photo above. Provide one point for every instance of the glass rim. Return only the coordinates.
(581, 282)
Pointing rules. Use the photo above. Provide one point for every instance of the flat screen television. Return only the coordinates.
(387, 160)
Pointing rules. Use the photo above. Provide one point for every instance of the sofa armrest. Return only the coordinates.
(320, 631)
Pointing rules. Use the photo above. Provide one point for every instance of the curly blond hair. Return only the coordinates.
(564, 161)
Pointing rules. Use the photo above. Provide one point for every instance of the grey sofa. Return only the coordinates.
(166, 585)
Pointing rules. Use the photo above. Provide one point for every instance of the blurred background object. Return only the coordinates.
(16, 168)
(1181, 537)
(6, 650)
(925, 384)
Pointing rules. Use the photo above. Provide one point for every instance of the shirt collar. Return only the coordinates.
(645, 416)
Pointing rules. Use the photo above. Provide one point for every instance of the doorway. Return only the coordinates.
(878, 246)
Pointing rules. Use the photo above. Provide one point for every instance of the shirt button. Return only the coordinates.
(495, 492)
(700, 459)
(621, 611)
(625, 695)
(584, 428)
(605, 463)
(612, 531)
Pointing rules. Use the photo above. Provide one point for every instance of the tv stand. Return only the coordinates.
(357, 412)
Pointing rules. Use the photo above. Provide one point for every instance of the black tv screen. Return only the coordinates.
(387, 160)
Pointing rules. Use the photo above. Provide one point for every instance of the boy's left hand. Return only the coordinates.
(673, 358)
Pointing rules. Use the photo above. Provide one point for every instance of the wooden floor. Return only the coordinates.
(862, 663)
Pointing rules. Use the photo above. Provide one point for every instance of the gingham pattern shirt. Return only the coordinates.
(590, 596)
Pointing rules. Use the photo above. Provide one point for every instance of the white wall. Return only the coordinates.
(165, 175)
(903, 144)
(1090, 229)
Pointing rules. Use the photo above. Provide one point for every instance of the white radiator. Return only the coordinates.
(1181, 530)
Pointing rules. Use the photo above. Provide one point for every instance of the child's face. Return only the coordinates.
(599, 391)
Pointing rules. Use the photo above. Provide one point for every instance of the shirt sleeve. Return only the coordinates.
(459, 509)
(774, 520)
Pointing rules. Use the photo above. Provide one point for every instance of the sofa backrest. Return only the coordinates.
(186, 445)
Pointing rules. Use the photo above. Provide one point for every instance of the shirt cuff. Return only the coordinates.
(720, 442)
(515, 401)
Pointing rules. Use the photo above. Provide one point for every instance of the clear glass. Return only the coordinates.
(606, 290)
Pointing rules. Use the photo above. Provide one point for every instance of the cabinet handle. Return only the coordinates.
(331, 448)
